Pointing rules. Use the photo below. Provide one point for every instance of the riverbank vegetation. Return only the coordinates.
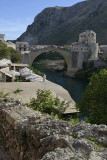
(46, 103)
(87, 71)
(2, 95)
(9, 53)
(36, 71)
(94, 101)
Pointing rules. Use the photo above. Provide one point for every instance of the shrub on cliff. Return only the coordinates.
(14, 55)
(9, 53)
(36, 71)
(46, 103)
(94, 100)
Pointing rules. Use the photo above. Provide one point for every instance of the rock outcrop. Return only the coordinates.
(29, 135)
(62, 25)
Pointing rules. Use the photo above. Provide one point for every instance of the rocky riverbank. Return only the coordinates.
(29, 91)
(56, 65)
(28, 134)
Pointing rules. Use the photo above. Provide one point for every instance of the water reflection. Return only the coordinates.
(74, 86)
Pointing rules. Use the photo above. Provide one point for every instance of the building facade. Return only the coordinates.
(22, 46)
(85, 49)
(2, 37)
(10, 44)
(103, 52)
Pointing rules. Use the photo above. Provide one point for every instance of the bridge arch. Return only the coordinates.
(34, 54)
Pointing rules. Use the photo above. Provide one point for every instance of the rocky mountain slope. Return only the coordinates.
(61, 25)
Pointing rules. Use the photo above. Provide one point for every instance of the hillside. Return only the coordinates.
(61, 25)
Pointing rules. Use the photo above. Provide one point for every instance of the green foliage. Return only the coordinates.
(14, 55)
(94, 101)
(17, 91)
(2, 95)
(9, 53)
(74, 121)
(84, 65)
(97, 146)
(74, 135)
(67, 48)
(46, 103)
(4, 52)
(86, 73)
(18, 79)
(91, 64)
(36, 71)
(65, 65)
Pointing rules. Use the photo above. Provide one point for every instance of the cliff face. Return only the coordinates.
(61, 25)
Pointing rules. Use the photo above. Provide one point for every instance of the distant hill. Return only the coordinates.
(62, 25)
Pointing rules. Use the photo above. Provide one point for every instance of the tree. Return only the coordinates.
(94, 101)
(4, 52)
(14, 55)
(9, 53)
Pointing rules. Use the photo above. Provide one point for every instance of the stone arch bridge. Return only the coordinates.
(29, 57)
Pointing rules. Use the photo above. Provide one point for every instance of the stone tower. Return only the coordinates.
(89, 37)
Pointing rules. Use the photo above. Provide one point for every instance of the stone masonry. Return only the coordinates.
(82, 51)
(30, 135)
(85, 49)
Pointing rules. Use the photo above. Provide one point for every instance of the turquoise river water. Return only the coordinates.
(75, 87)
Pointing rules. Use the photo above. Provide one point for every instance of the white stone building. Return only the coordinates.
(2, 37)
(10, 44)
(22, 46)
(103, 52)
(85, 49)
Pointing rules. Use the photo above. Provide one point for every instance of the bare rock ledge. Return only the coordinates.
(29, 135)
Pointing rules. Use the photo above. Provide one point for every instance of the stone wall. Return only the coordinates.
(103, 49)
(29, 135)
(75, 59)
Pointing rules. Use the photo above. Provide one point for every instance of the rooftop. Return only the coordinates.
(88, 31)
(2, 34)
(21, 42)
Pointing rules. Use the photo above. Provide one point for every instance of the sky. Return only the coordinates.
(16, 15)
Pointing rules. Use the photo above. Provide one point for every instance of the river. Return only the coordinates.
(75, 87)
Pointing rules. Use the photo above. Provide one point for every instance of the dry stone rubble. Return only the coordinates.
(28, 134)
